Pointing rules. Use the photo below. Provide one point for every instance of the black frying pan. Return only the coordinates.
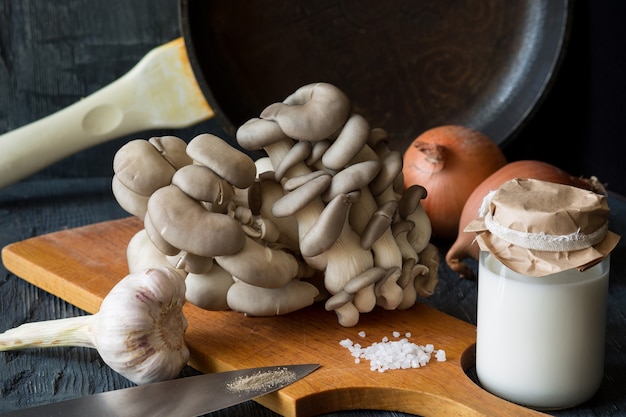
(407, 65)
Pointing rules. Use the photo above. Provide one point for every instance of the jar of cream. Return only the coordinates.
(543, 280)
(540, 341)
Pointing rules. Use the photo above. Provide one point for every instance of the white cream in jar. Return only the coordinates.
(541, 340)
(543, 278)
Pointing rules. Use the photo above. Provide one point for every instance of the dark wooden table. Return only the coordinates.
(54, 53)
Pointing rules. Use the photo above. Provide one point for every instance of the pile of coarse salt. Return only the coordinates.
(396, 354)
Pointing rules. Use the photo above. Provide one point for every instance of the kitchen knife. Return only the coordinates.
(182, 397)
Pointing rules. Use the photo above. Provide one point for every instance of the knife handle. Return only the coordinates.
(160, 91)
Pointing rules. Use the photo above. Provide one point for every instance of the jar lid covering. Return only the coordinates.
(538, 228)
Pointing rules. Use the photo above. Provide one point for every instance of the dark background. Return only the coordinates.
(54, 53)
(579, 126)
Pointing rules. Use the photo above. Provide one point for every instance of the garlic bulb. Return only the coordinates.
(138, 331)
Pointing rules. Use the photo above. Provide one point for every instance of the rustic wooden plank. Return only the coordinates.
(81, 265)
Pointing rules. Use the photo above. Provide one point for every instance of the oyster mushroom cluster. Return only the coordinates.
(324, 217)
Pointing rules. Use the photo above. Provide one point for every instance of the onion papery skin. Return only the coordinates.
(464, 246)
(450, 161)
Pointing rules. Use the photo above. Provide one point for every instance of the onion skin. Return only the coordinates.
(450, 161)
(464, 246)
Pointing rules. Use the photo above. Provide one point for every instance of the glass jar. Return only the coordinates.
(541, 340)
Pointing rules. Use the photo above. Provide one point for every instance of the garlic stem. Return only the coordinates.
(138, 331)
(72, 331)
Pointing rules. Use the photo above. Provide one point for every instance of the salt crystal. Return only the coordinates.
(398, 354)
(362, 333)
(346, 343)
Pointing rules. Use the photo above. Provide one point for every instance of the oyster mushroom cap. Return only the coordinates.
(298, 153)
(347, 314)
(190, 262)
(400, 230)
(260, 265)
(388, 293)
(208, 290)
(259, 301)
(317, 151)
(201, 183)
(378, 137)
(313, 112)
(173, 149)
(258, 133)
(229, 163)
(134, 203)
(272, 191)
(337, 300)
(411, 209)
(411, 199)
(328, 227)
(391, 167)
(352, 178)
(425, 284)
(157, 240)
(142, 254)
(379, 222)
(300, 180)
(401, 226)
(365, 279)
(300, 197)
(185, 224)
(141, 168)
(349, 142)
(410, 269)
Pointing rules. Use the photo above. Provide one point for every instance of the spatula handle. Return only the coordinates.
(160, 91)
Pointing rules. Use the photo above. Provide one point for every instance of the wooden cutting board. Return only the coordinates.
(81, 265)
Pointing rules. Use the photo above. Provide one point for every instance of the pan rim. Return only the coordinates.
(506, 117)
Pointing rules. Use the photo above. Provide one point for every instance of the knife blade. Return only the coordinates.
(183, 397)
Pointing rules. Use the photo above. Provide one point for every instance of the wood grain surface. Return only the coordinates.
(54, 53)
(81, 265)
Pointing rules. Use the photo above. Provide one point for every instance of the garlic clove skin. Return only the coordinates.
(139, 329)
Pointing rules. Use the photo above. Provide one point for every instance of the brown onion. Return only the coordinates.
(449, 161)
(464, 246)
